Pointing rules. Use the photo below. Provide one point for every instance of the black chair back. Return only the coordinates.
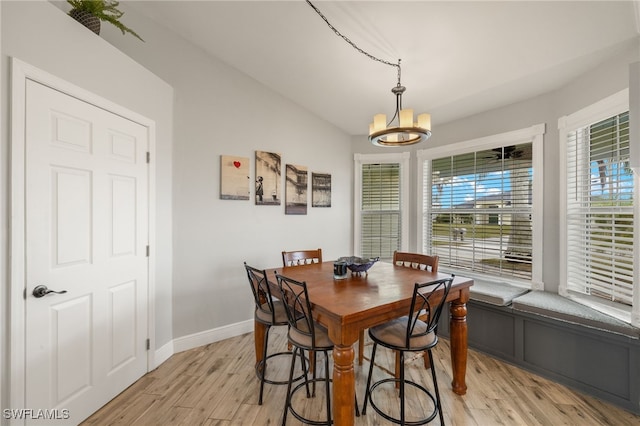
(427, 306)
(296, 302)
(261, 291)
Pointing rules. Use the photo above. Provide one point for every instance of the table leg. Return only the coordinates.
(344, 384)
(459, 345)
(259, 330)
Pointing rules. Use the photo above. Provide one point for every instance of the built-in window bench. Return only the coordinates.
(556, 338)
(495, 293)
(560, 308)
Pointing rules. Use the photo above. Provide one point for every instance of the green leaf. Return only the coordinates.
(105, 10)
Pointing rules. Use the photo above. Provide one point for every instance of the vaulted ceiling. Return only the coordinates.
(458, 58)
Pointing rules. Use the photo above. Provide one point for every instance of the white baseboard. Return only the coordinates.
(214, 335)
(162, 354)
(200, 339)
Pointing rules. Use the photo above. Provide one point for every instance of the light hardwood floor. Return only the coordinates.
(216, 385)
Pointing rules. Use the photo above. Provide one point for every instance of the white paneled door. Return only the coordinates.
(86, 242)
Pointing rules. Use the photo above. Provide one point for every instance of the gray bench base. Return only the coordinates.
(595, 361)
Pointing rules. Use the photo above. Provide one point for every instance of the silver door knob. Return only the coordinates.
(42, 290)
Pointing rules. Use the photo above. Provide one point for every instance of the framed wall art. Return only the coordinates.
(235, 183)
(268, 174)
(296, 183)
(320, 190)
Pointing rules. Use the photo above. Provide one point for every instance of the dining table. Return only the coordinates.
(346, 306)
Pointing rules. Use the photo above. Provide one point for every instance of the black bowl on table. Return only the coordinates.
(358, 265)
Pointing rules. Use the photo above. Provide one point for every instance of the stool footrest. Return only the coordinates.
(260, 370)
(299, 416)
(422, 421)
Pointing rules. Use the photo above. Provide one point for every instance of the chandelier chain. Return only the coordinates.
(355, 46)
(407, 132)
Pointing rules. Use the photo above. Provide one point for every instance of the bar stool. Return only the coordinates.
(271, 313)
(411, 334)
(408, 260)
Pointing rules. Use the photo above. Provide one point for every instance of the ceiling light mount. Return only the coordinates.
(401, 130)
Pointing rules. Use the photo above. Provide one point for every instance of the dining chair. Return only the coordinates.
(301, 257)
(269, 312)
(416, 261)
(409, 260)
(411, 334)
(305, 335)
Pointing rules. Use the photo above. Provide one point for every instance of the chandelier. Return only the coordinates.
(401, 130)
(407, 131)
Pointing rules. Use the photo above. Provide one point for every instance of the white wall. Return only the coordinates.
(41, 35)
(202, 109)
(604, 80)
(219, 111)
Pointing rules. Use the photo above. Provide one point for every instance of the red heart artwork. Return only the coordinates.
(237, 164)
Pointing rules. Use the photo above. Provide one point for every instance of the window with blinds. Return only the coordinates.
(599, 210)
(478, 210)
(380, 210)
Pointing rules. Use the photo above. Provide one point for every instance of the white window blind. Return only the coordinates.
(478, 210)
(381, 215)
(599, 210)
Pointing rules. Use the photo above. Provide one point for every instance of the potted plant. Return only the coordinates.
(90, 12)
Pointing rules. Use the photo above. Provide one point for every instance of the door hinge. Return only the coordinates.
(148, 344)
(148, 157)
(147, 251)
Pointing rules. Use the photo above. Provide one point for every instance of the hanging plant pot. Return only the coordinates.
(90, 12)
(87, 19)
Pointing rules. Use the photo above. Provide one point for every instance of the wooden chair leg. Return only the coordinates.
(427, 362)
(361, 347)
(425, 357)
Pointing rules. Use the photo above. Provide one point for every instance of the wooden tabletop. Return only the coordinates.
(365, 299)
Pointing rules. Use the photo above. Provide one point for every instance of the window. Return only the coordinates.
(381, 218)
(598, 211)
(482, 206)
